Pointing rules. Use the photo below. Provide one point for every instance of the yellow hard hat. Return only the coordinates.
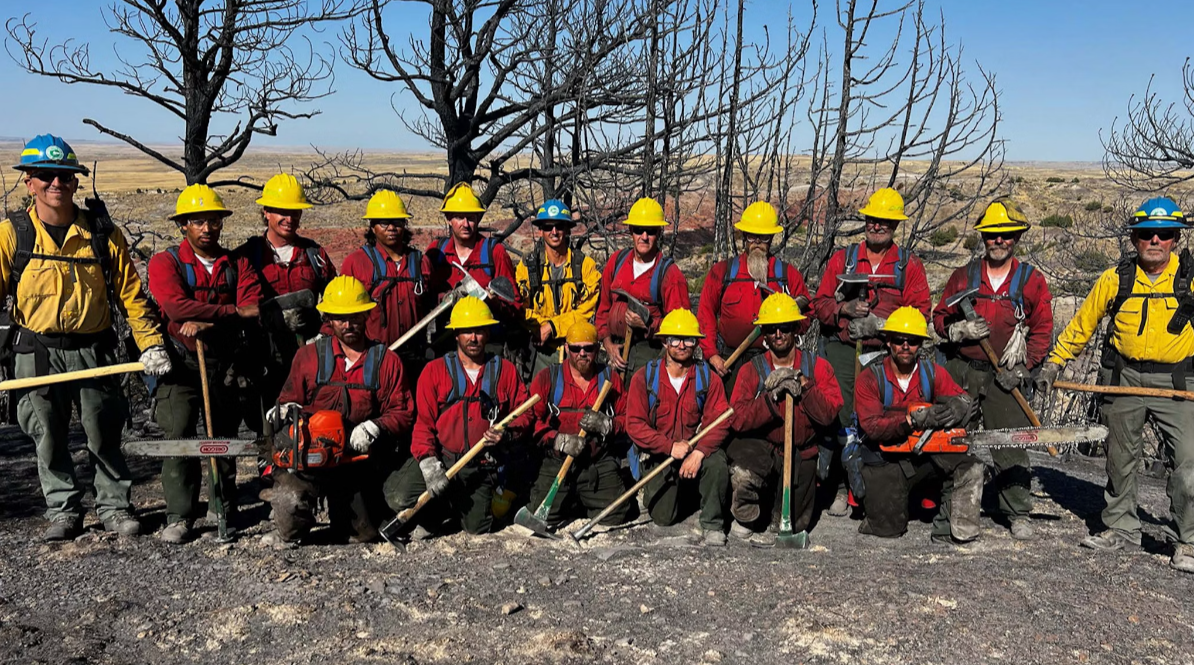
(461, 199)
(779, 308)
(679, 323)
(501, 502)
(907, 321)
(470, 312)
(885, 204)
(646, 212)
(1003, 214)
(385, 204)
(760, 219)
(581, 332)
(345, 295)
(283, 191)
(199, 198)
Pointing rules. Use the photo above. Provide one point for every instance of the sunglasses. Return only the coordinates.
(582, 348)
(399, 223)
(1164, 235)
(681, 341)
(49, 176)
(785, 328)
(561, 226)
(910, 342)
(755, 239)
(209, 223)
(647, 230)
(1005, 235)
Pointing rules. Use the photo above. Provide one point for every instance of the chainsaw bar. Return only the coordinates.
(193, 448)
(1035, 437)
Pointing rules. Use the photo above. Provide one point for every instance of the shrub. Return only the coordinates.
(1057, 222)
(943, 236)
(1075, 181)
(1091, 260)
(972, 241)
(1054, 178)
(1108, 209)
(1094, 205)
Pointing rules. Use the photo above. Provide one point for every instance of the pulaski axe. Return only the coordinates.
(499, 287)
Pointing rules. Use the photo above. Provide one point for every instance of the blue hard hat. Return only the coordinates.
(1158, 213)
(49, 152)
(554, 210)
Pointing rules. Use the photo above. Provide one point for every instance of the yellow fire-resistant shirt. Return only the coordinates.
(1154, 344)
(66, 297)
(577, 303)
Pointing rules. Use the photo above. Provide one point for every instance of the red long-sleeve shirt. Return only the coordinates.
(887, 425)
(757, 415)
(565, 417)
(278, 278)
(676, 415)
(400, 307)
(445, 276)
(457, 427)
(611, 308)
(391, 406)
(730, 314)
(179, 304)
(884, 296)
(1000, 314)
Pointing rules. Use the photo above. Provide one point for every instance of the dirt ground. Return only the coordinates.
(637, 595)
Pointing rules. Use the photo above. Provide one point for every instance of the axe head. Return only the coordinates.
(469, 286)
(526, 518)
(502, 288)
(304, 299)
(960, 296)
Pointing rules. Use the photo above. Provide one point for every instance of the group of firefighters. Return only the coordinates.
(626, 374)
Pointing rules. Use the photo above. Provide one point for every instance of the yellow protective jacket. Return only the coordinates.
(64, 297)
(578, 298)
(1154, 344)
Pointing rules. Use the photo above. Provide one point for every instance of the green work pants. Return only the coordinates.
(46, 419)
(841, 357)
(889, 483)
(1125, 416)
(593, 484)
(667, 493)
(999, 410)
(178, 410)
(764, 460)
(469, 497)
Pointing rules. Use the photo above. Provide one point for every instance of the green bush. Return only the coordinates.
(1094, 205)
(943, 236)
(1092, 260)
(1054, 178)
(1057, 222)
(972, 241)
(1108, 209)
(1075, 181)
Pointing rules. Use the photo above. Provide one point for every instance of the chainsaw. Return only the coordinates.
(958, 440)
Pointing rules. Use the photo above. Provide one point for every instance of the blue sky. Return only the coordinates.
(1066, 69)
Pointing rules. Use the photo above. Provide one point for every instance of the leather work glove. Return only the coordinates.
(1045, 378)
(928, 418)
(570, 444)
(969, 330)
(433, 475)
(867, 326)
(1010, 379)
(279, 414)
(363, 436)
(855, 309)
(298, 319)
(156, 361)
(642, 311)
(783, 380)
(593, 422)
(958, 411)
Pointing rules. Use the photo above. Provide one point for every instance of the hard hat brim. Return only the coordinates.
(389, 216)
(52, 166)
(746, 227)
(868, 211)
(474, 324)
(224, 212)
(267, 203)
(353, 309)
(635, 222)
(461, 208)
(1159, 224)
(1001, 228)
(761, 321)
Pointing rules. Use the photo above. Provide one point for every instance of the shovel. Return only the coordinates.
(786, 539)
(215, 486)
(538, 521)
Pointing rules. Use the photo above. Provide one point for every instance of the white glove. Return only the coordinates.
(363, 436)
(433, 475)
(297, 319)
(156, 361)
(280, 413)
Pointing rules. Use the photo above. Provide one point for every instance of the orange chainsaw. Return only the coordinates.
(958, 440)
(313, 442)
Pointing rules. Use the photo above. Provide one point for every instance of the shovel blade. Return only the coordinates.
(525, 518)
(792, 541)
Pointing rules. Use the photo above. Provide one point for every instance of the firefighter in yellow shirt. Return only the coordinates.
(1150, 304)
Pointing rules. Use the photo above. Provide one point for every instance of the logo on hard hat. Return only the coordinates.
(1159, 212)
(54, 152)
(554, 210)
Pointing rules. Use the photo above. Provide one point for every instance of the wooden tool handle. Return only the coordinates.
(63, 377)
(710, 427)
(1125, 390)
(746, 344)
(789, 416)
(199, 351)
(414, 330)
(1024, 405)
(582, 434)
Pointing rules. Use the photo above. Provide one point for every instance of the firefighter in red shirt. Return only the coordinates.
(648, 276)
(205, 293)
(361, 381)
(396, 275)
(885, 391)
(667, 401)
(568, 393)
(458, 399)
(851, 316)
(1015, 314)
(756, 448)
(734, 289)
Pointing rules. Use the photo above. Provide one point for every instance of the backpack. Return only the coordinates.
(808, 363)
(779, 274)
(557, 388)
(489, 381)
(257, 258)
(655, 374)
(656, 279)
(535, 265)
(926, 374)
(902, 259)
(1015, 288)
(326, 367)
(231, 277)
(414, 273)
(101, 226)
(1126, 270)
(486, 250)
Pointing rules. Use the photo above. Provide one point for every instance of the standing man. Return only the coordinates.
(885, 391)
(651, 279)
(362, 381)
(78, 271)
(852, 316)
(668, 400)
(207, 294)
(735, 288)
(1015, 314)
(396, 275)
(558, 283)
(458, 399)
(568, 393)
(756, 448)
(1149, 345)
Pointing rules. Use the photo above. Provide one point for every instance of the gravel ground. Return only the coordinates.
(636, 595)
